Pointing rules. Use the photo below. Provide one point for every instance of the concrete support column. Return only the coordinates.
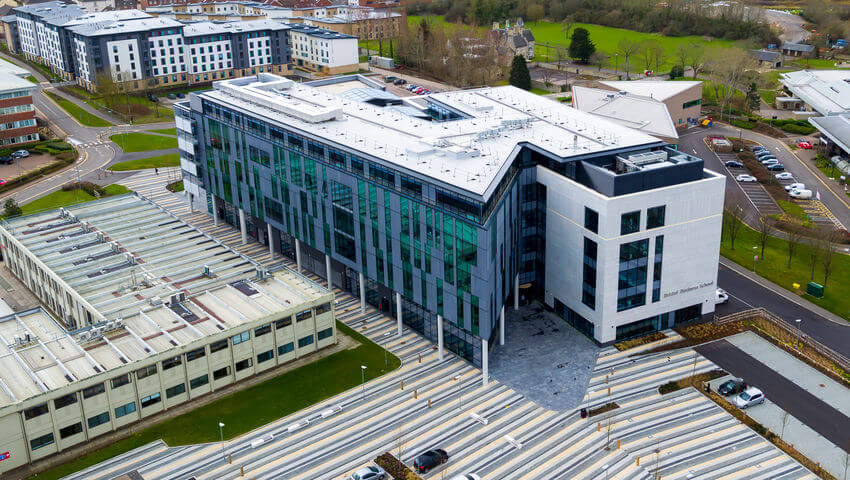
(215, 211)
(440, 337)
(243, 228)
(502, 326)
(191, 200)
(298, 254)
(271, 239)
(485, 369)
(516, 293)
(398, 311)
(328, 270)
(362, 293)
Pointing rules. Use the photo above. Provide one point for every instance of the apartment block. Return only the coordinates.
(138, 317)
(17, 112)
(498, 197)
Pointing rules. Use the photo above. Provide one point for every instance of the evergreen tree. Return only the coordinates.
(520, 77)
(12, 208)
(753, 99)
(581, 48)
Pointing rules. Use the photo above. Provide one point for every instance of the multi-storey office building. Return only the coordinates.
(442, 222)
(17, 112)
(323, 51)
(153, 314)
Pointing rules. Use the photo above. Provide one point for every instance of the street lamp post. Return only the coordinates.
(799, 323)
(456, 378)
(221, 437)
(363, 380)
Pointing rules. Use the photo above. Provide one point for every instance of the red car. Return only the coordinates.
(804, 144)
(2, 182)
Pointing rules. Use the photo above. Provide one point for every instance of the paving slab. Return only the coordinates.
(544, 358)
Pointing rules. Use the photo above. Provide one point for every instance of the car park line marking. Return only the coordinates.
(816, 175)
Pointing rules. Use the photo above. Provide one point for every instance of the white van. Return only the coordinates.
(801, 194)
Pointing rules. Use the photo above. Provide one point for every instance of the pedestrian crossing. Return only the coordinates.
(429, 402)
(819, 213)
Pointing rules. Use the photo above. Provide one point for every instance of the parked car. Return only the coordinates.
(761, 155)
(776, 167)
(172, 96)
(734, 164)
(784, 176)
(430, 459)
(20, 154)
(372, 472)
(411, 87)
(399, 81)
(749, 397)
(801, 194)
(181, 95)
(467, 476)
(769, 161)
(805, 145)
(746, 178)
(732, 387)
(152, 97)
(2, 181)
(795, 186)
(757, 148)
(7, 160)
(722, 296)
(390, 78)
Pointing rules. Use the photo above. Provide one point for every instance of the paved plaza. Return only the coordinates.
(544, 358)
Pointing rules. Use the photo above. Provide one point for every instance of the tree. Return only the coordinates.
(830, 247)
(734, 220)
(627, 48)
(682, 54)
(520, 77)
(676, 72)
(600, 59)
(581, 47)
(815, 242)
(753, 98)
(695, 54)
(567, 25)
(534, 12)
(649, 51)
(795, 235)
(727, 69)
(108, 89)
(12, 208)
(764, 230)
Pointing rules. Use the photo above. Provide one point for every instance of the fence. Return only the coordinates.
(762, 315)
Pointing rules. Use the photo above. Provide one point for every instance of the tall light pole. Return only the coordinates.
(363, 380)
(221, 437)
(456, 378)
(799, 323)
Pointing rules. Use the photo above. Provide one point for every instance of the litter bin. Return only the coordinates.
(814, 289)
(583, 413)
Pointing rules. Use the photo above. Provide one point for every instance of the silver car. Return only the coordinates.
(372, 472)
(749, 397)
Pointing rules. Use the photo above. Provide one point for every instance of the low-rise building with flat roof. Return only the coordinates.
(634, 111)
(139, 317)
(826, 92)
(683, 99)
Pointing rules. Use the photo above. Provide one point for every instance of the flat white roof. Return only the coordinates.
(10, 82)
(827, 91)
(7, 67)
(471, 153)
(657, 89)
(634, 111)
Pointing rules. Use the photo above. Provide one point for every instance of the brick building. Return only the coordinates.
(17, 113)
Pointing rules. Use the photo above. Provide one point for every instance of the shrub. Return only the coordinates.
(677, 71)
(798, 129)
(12, 208)
(743, 124)
(395, 467)
(92, 189)
(669, 387)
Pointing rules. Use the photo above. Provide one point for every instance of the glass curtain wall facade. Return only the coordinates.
(445, 253)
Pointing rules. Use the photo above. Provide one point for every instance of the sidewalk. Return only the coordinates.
(807, 157)
(85, 106)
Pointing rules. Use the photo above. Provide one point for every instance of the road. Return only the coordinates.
(692, 142)
(96, 151)
(790, 24)
(802, 405)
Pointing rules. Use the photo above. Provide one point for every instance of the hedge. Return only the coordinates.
(62, 161)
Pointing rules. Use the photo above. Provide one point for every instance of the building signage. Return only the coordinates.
(688, 289)
(5, 456)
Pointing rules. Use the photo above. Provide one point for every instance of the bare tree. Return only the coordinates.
(681, 55)
(795, 235)
(784, 423)
(600, 59)
(830, 248)
(764, 230)
(627, 49)
(608, 426)
(846, 461)
(649, 52)
(815, 243)
(734, 220)
(659, 55)
(727, 71)
(400, 440)
(696, 58)
(567, 25)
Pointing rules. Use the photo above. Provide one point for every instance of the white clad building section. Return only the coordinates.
(81, 58)
(124, 60)
(26, 29)
(210, 56)
(167, 54)
(324, 48)
(260, 51)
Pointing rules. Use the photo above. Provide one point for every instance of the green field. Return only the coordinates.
(255, 406)
(773, 266)
(142, 142)
(816, 63)
(31, 79)
(165, 131)
(61, 198)
(161, 161)
(606, 40)
(77, 112)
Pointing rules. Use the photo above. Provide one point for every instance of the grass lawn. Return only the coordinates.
(255, 406)
(768, 96)
(166, 131)
(77, 112)
(793, 209)
(61, 198)
(170, 160)
(773, 266)
(142, 142)
(31, 79)
(816, 63)
(175, 187)
(539, 91)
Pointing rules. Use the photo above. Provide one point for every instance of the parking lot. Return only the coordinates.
(818, 408)
(32, 162)
(754, 190)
